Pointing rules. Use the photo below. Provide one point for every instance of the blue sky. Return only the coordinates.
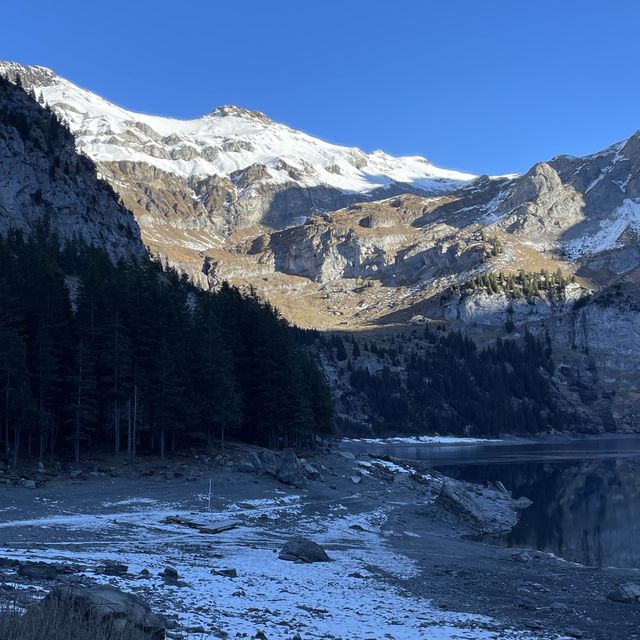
(488, 87)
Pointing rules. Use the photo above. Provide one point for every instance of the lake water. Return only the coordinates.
(586, 493)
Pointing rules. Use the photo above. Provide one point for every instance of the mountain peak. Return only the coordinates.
(29, 74)
(227, 110)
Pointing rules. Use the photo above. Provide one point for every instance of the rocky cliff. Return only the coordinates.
(42, 176)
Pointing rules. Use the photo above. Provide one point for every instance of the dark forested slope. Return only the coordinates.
(135, 358)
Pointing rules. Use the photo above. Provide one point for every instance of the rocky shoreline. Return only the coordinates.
(402, 540)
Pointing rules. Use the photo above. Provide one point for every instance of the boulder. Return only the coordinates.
(522, 503)
(290, 470)
(285, 467)
(28, 484)
(486, 510)
(303, 550)
(245, 466)
(124, 612)
(310, 471)
(629, 593)
(39, 570)
(169, 575)
(113, 568)
(227, 573)
(268, 462)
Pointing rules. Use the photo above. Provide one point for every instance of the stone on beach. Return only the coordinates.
(303, 550)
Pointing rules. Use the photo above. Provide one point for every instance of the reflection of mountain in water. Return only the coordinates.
(587, 512)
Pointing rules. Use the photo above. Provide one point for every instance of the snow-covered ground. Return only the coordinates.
(359, 595)
(434, 440)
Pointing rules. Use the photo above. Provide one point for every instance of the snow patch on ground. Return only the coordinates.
(434, 440)
(627, 216)
(346, 598)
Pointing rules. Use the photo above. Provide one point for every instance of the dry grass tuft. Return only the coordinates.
(52, 620)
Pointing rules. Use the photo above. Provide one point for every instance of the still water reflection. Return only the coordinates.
(586, 494)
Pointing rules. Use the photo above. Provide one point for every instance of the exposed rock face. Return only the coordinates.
(495, 309)
(42, 175)
(540, 208)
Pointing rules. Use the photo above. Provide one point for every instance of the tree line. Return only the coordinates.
(448, 385)
(523, 284)
(134, 358)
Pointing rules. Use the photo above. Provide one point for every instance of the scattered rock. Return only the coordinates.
(9, 563)
(310, 471)
(229, 573)
(112, 568)
(522, 556)
(124, 612)
(522, 503)
(303, 550)
(572, 632)
(170, 575)
(628, 593)
(285, 467)
(356, 479)
(40, 570)
(28, 484)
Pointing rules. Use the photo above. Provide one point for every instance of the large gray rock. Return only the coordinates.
(124, 612)
(480, 508)
(629, 593)
(290, 469)
(269, 462)
(303, 550)
(284, 466)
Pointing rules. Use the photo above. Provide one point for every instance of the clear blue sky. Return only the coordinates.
(489, 87)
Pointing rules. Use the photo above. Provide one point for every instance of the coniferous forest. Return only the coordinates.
(445, 384)
(133, 358)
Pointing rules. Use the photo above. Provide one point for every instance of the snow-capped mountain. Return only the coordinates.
(234, 167)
